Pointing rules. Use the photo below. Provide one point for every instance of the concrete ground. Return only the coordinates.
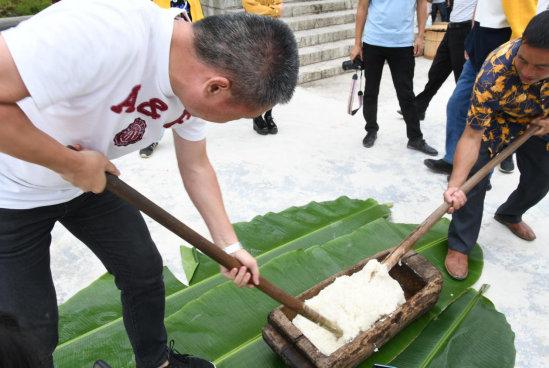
(318, 155)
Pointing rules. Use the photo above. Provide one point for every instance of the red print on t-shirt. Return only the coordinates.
(180, 120)
(149, 108)
(133, 133)
(129, 102)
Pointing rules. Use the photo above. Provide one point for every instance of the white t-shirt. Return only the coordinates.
(490, 14)
(542, 6)
(462, 11)
(97, 73)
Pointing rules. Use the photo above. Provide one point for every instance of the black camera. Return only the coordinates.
(355, 64)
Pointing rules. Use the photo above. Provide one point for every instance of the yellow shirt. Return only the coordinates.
(271, 8)
(519, 13)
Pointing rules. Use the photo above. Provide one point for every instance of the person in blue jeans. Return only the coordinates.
(479, 43)
(441, 7)
(457, 108)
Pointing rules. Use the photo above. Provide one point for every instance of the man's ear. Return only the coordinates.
(217, 86)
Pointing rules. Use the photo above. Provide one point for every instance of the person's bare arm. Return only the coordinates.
(201, 183)
(421, 21)
(361, 15)
(543, 124)
(21, 139)
(466, 156)
(12, 88)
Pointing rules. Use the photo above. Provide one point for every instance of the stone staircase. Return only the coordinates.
(324, 30)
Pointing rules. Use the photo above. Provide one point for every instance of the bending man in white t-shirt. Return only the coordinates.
(109, 77)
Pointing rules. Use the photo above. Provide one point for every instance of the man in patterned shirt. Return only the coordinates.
(511, 91)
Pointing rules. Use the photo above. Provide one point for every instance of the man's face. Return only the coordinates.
(211, 100)
(532, 64)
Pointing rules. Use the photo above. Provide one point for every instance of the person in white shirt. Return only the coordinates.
(109, 78)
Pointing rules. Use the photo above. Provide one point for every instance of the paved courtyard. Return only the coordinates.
(318, 155)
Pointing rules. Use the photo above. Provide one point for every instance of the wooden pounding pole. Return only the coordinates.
(394, 257)
(126, 192)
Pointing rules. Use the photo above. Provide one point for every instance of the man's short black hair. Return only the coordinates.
(536, 33)
(258, 54)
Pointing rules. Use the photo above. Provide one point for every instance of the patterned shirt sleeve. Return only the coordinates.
(484, 100)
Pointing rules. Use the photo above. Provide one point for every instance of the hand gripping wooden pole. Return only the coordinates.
(126, 192)
(408, 243)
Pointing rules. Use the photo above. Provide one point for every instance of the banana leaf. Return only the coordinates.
(90, 322)
(212, 325)
(469, 333)
(294, 228)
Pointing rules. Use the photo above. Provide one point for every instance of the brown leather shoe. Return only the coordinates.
(522, 230)
(457, 264)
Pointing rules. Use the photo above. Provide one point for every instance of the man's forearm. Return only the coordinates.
(21, 139)
(421, 17)
(361, 15)
(203, 189)
(465, 157)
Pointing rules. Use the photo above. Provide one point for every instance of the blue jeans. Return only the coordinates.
(441, 7)
(116, 232)
(457, 109)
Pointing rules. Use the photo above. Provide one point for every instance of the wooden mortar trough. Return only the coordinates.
(421, 282)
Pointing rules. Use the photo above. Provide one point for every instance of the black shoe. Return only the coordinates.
(260, 126)
(148, 151)
(438, 166)
(422, 146)
(370, 139)
(420, 114)
(101, 364)
(273, 129)
(177, 360)
(507, 166)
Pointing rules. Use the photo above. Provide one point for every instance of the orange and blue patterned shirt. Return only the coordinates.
(501, 104)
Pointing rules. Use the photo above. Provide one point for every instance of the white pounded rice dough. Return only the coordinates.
(355, 303)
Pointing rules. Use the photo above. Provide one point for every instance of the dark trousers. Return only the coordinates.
(116, 232)
(481, 41)
(442, 9)
(401, 63)
(533, 164)
(449, 58)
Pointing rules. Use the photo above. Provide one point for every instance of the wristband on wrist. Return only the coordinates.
(232, 248)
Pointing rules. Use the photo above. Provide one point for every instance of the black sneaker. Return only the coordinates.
(422, 146)
(273, 129)
(148, 151)
(507, 166)
(101, 364)
(420, 114)
(370, 139)
(177, 360)
(260, 126)
(438, 166)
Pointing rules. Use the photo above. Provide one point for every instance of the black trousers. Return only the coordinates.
(533, 164)
(116, 232)
(401, 63)
(448, 58)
